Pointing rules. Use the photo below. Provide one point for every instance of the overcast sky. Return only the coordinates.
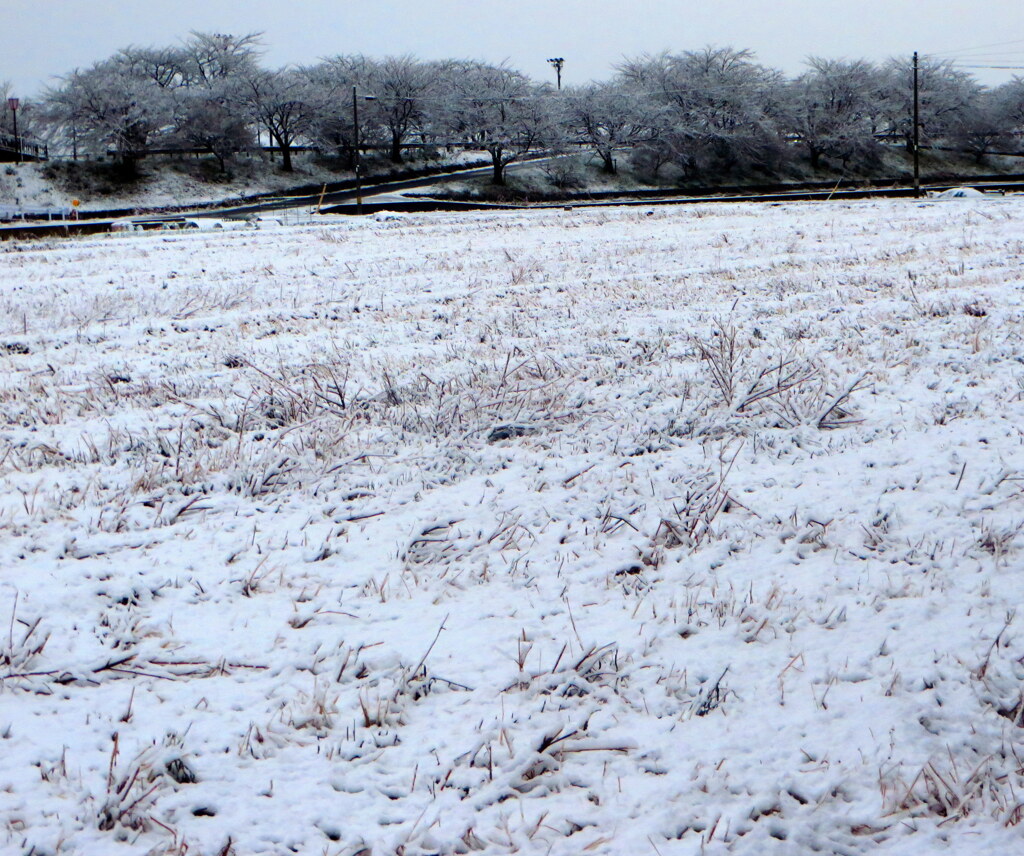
(40, 39)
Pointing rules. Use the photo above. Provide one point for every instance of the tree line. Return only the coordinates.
(712, 112)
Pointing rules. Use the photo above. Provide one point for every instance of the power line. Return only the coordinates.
(978, 54)
(977, 48)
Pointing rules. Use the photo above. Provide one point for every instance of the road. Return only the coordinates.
(382, 195)
(370, 189)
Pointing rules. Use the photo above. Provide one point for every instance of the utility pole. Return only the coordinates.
(917, 129)
(13, 104)
(558, 62)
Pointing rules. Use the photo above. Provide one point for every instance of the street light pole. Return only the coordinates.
(13, 104)
(355, 150)
(558, 62)
(355, 143)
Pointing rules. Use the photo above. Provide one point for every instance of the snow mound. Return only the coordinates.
(960, 193)
(388, 216)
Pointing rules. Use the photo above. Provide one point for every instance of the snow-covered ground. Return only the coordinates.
(694, 530)
(27, 186)
(167, 182)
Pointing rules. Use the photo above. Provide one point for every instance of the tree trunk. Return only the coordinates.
(286, 155)
(129, 165)
(608, 163)
(347, 152)
(815, 153)
(499, 167)
(396, 149)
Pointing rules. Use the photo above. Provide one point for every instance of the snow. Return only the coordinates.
(168, 182)
(675, 531)
(960, 193)
(27, 186)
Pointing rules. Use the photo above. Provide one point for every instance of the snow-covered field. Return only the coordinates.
(686, 531)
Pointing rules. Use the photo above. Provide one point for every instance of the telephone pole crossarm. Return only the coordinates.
(558, 62)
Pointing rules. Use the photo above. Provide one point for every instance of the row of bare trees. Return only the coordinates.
(211, 94)
(718, 111)
(710, 113)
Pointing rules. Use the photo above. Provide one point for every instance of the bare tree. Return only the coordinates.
(209, 119)
(6, 119)
(165, 68)
(402, 86)
(281, 102)
(983, 127)
(499, 109)
(723, 109)
(607, 117)
(111, 105)
(212, 58)
(649, 157)
(210, 102)
(945, 93)
(831, 109)
(1008, 100)
(329, 84)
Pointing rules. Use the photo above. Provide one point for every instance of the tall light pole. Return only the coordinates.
(13, 104)
(917, 128)
(355, 144)
(558, 62)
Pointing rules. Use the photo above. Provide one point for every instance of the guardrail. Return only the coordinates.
(10, 213)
